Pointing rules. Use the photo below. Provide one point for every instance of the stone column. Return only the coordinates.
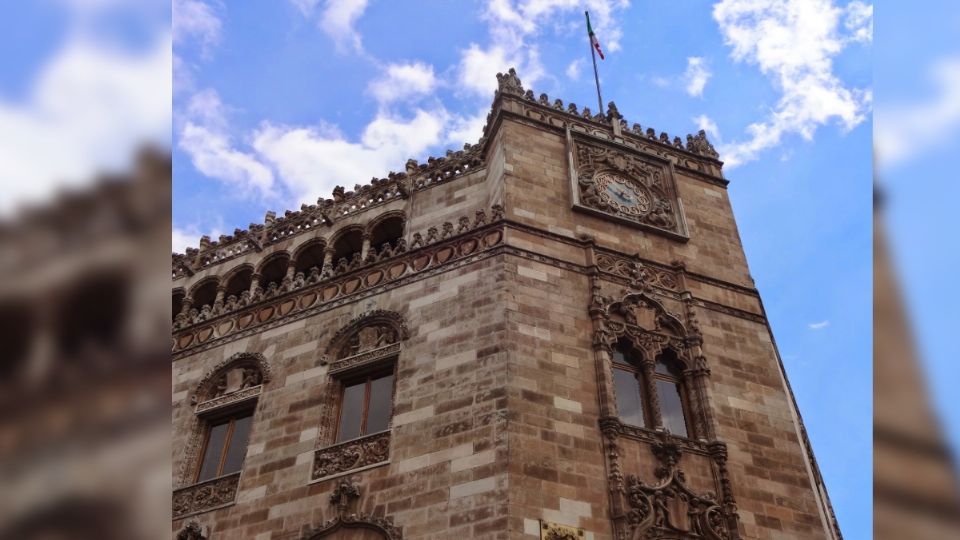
(254, 283)
(648, 366)
(366, 246)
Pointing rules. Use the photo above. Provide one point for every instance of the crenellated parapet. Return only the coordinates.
(697, 154)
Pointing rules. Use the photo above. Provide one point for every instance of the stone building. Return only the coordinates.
(552, 333)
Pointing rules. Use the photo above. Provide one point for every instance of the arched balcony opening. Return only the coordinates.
(93, 315)
(309, 257)
(178, 297)
(274, 271)
(348, 245)
(205, 294)
(387, 231)
(238, 282)
(16, 337)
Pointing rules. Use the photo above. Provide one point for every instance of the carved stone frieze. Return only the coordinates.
(364, 358)
(205, 495)
(635, 272)
(351, 455)
(229, 399)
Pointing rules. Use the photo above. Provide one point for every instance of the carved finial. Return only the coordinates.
(338, 194)
(699, 144)
(510, 83)
(343, 495)
(412, 166)
(612, 111)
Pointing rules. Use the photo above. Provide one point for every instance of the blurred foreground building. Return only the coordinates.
(916, 494)
(552, 333)
(84, 323)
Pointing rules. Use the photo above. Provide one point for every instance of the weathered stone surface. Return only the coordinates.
(505, 299)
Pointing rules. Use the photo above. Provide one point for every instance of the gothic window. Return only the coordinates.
(239, 282)
(650, 396)
(225, 445)
(309, 257)
(348, 246)
(668, 379)
(274, 270)
(366, 405)
(386, 231)
(628, 384)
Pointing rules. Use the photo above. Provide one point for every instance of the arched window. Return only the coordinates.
(650, 394)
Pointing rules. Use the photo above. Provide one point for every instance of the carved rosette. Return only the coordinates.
(205, 495)
(351, 455)
(623, 185)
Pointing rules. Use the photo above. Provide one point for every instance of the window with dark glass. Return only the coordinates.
(366, 406)
(668, 377)
(627, 381)
(633, 404)
(225, 446)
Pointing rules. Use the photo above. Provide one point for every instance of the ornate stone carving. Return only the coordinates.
(205, 495)
(555, 531)
(364, 358)
(669, 509)
(232, 379)
(351, 455)
(193, 531)
(699, 144)
(344, 497)
(370, 330)
(228, 399)
(623, 185)
(509, 83)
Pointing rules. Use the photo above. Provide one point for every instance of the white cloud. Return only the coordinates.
(573, 70)
(859, 21)
(205, 136)
(514, 23)
(310, 162)
(404, 81)
(305, 6)
(338, 19)
(818, 325)
(196, 20)
(904, 131)
(88, 110)
(696, 76)
(705, 123)
(793, 42)
(189, 237)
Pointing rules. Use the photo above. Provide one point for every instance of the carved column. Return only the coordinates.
(254, 283)
(366, 246)
(187, 304)
(327, 258)
(648, 367)
(218, 301)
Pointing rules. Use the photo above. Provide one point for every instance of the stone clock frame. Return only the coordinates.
(594, 163)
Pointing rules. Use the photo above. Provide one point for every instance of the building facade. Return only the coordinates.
(552, 333)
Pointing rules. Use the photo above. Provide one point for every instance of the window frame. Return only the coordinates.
(366, 377)
(680, 383)
(631, 357)
(231, 418)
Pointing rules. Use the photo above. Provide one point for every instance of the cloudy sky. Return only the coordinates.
(277, 102)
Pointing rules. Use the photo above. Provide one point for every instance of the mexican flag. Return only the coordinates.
(593, 37)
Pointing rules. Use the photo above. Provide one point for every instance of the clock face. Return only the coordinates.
(623, 194)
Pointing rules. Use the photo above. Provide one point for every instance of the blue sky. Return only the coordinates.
(276, 102)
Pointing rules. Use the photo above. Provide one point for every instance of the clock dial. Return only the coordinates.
(623, 194)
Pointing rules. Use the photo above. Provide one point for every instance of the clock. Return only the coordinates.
(622, 194)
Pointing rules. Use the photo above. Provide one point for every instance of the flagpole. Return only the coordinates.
(593, 55)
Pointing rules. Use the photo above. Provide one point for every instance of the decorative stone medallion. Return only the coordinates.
(622, 185)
